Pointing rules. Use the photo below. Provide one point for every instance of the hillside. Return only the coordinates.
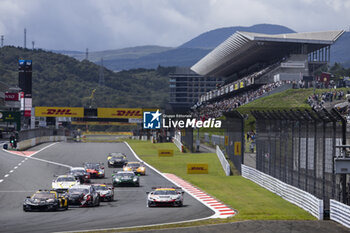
(59, 80)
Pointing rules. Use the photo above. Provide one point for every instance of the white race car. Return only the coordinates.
(64, 182)
(165, 197)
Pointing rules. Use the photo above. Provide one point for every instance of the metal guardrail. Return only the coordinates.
(290, 193)
(214, 139)
(340, 212)
(225, 165)
(178, 144)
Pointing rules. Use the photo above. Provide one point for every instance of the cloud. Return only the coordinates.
(111, 24)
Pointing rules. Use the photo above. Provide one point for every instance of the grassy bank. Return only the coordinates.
(251, 201)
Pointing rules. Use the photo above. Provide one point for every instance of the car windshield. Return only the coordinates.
(124, 174)
(44, 196)
(165, 192)
(78, 170)
(78, 190)
(101, 187)
(65, 179)
(117, 157)
(133, 165)
(92, 166)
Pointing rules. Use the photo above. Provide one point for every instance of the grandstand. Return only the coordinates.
(252, 62)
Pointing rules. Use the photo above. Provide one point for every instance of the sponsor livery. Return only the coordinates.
(165, 197)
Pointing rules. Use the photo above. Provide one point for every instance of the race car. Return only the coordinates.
(165, 197)
(83, 195)
(116, 159)
(45, 200)
(64, 182)
(127, 178)
(81, 174)
(137, 167)
(106, 191)
(96, 170)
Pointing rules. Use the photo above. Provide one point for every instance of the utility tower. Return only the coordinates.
(33, 43)
(101, 80)
(25, 38)
(2, 40)
(87, 54)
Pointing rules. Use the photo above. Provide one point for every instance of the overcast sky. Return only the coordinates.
(113, 24)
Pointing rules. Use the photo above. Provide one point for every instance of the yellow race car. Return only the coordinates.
(46, 200)
(136, 167)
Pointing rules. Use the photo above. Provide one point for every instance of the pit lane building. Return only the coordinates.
(248, 60)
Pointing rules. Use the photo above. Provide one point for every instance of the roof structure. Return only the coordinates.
(244, 49)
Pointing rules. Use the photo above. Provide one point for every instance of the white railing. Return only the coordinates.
(178, 144)
(288, 192)
(225, 165)
(143, 138)
(340, 212)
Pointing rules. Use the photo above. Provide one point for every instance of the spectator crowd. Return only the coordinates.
(318, 101)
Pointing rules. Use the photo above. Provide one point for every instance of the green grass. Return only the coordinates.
(250, 200)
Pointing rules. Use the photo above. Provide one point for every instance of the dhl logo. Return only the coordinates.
(124, 113)
(59, 111)
(198, 168)
(53, 111)
(201, 168)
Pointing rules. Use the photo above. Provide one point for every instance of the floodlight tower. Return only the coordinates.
(33, 42)
(87, 54)
(2, 40)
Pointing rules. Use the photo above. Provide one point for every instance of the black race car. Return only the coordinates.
(116, 159)
(83, 195)
(46, 200)
(81, 174)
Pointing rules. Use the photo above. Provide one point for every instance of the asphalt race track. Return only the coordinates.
(127, 209)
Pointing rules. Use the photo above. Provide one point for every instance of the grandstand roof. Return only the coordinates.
(244, 49)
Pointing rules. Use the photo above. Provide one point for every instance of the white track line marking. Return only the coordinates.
(11, 171)
(6, 175)
(15, 167)
(42, 160)
(1, 180)
(19, 164)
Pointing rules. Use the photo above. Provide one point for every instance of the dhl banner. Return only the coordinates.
(236, 86)
(165, 153)
(59, 112)
(197, 168)
(241, 84)
(119, 112)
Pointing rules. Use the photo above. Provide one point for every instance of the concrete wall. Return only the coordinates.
(25, 144)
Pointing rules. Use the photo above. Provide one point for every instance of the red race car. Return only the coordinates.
(96, 170)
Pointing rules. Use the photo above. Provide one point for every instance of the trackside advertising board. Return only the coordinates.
(197, 168)
(165, 153)
(59, 112)
(119, 113)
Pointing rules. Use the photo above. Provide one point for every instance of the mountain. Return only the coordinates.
(213, 38)
(125, 53)
(60, 80)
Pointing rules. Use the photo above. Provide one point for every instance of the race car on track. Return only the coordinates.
(165, 197)
(45, 200)
(64, 182)
(106, 191)
(116, 159)
(83, 195)
(96, 170)
(137, 167)
(81, 174)
(125, 178)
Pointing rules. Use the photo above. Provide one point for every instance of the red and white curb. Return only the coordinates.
(221, 210)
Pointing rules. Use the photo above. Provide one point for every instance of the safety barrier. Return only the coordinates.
(214, 139)
(225, 165)
(143, 138)
(290, 193)
(340, 212)
(25, 144)
(178, 144)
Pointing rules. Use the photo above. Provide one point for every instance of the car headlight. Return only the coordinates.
(142, 168)
(134, 179)
(117, 179)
